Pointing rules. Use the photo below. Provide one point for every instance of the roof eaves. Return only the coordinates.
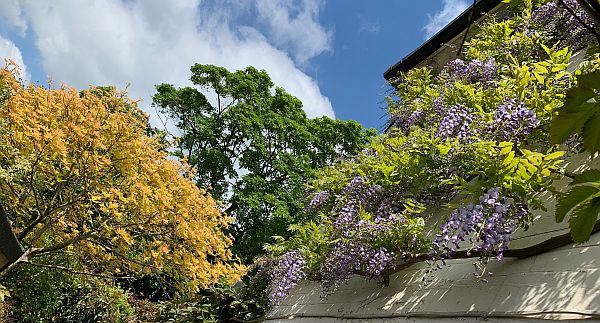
(453, 29)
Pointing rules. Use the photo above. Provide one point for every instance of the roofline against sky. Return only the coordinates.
(453, 29)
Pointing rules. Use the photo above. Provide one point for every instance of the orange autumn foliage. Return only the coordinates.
(101, 191)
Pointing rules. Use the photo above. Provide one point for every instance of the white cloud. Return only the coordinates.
(8, 50)
(294, 25)
(11, 13)
(450, 10)
(146, 42)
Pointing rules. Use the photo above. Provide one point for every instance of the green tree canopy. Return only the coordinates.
(254, 147)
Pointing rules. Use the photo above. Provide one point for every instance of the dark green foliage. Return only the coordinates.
(253, 147)
(575, 196)
(580, 112)
(583, 218)
(582, 202)
(220, 303)
(59, 296)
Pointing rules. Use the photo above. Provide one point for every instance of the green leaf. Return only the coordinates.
(591, 134)
(547, 50)
(589, 176)
(577, 96)
(554, 155)
(589, 80)
(387, 170)
(575, 196)
(508, 160)
(583, 219)
(505, 148)
(444, 149)
(570, 119)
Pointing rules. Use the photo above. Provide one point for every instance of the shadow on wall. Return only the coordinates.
(562, 284)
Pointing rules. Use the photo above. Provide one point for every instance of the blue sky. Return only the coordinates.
(329, 53)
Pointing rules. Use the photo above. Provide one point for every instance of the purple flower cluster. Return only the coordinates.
(377, 261)
(352, 253)
(513, 122)
(318, 200)
(356, 186)
(342, 261)
(405, 123)
(456, 122)
(439, 106)
(471, 72)
(388, 207)
(357, 193)
(345, 223)
(286, 274)
(553, 21)
(488, 225)
(352, 256)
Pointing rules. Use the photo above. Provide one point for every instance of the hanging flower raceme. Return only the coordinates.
(285, 275)
(318, 200)
(488, 226)
(513, 122)
(471, 72)
(456, 122)
(353, 252)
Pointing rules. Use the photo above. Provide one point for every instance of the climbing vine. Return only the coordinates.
(477, 137)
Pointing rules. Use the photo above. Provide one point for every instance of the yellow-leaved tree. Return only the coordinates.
(94, 186)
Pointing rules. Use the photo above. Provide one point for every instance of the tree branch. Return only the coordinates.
(61, 245)
(24, 257)
(107, 246)
(76, 272)
(232, 207)
(592, 8)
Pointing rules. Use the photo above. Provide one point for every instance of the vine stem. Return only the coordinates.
(586, 26)
(534, 250)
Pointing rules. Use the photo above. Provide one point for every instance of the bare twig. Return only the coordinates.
(75, 271)
(62, 245)
(462, 43)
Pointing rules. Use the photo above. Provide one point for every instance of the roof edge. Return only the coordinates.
(453, 29)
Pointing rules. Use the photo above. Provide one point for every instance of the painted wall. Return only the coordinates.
(561, 284)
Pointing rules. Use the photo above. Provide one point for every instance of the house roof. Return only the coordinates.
(453, 29)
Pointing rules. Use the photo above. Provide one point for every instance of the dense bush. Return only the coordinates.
(60, 296)
(220, 303)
